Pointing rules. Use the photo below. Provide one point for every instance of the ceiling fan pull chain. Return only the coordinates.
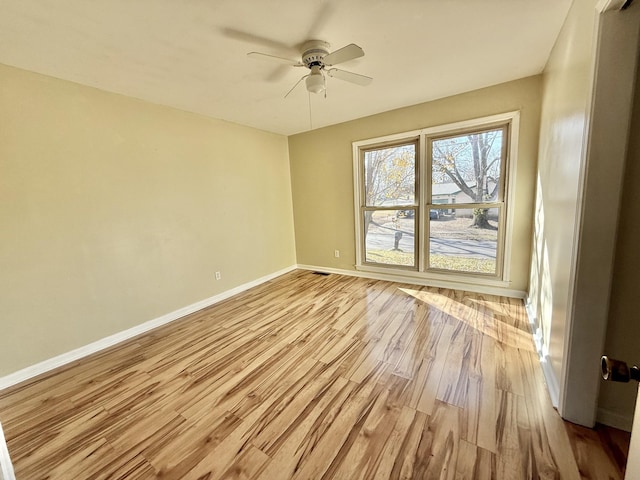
(310, 121)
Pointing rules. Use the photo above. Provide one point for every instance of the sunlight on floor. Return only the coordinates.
(484, 316)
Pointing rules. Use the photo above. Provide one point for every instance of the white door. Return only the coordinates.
(6, 469)
(633, 461)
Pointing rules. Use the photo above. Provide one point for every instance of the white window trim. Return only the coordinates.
(505, 281)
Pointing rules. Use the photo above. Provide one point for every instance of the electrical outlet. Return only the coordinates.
(218, 276)
(336, 253)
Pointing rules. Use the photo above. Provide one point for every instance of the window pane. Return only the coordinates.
(390, 176)
(389, 236)
(466, 168)
(456, 244)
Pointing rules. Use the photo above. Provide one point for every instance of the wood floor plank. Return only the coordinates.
(482, 414)
(509, 461)
(362, 460)
(552, 453)
(463, 353)
(430, 371)
(248, 465)
(80, 463)
(304, 377)
(390, 455)
(413, 453)
(444, 442)
(289, 448)
(475, 463)
(594, 461)
(335, 438)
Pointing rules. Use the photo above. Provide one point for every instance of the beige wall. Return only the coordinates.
(114, 212)
(566, 96)
(608, 136)
(584, 130)
(322, 171)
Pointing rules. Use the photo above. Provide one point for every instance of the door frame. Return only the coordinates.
(602, 169)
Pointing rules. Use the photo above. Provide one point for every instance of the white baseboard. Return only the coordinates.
(553, 386)
(65, 358)
(469, 287)
(614, 419)
(6, 468)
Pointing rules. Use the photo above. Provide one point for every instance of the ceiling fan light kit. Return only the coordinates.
(316, 57)
(315, 81)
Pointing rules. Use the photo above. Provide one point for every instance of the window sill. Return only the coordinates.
(445, 280)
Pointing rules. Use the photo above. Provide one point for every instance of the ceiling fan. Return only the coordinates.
(317, 57)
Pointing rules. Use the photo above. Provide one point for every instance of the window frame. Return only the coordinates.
(510, 121)
(415, 206)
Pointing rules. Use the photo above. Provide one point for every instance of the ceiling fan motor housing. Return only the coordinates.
(313, 52)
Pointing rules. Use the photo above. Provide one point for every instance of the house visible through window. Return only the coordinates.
(435, 201)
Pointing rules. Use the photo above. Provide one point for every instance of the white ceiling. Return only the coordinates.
(191, 54)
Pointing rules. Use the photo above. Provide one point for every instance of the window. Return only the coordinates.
(435, 202)
(389, 211)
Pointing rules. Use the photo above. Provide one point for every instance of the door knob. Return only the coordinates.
(617, 371)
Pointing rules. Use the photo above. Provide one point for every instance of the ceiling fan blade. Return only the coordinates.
(344, 54)
(278, 73)
(321, 19)
(258, 40)
(274, 58)
(294, 87)
(350, 77)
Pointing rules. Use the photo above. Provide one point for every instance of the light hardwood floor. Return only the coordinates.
(305, 377)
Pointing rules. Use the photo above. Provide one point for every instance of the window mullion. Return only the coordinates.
(425, 196)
